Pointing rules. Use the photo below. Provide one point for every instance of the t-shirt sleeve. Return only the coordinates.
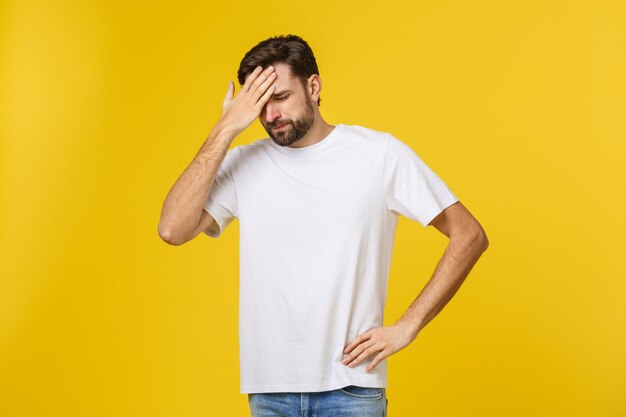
(411, 187)
(221, 203)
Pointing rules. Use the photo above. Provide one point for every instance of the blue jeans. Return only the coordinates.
(349, 401)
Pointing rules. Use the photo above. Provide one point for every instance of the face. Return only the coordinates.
(288, 114)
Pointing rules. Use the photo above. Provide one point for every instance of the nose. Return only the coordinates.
(271, 112)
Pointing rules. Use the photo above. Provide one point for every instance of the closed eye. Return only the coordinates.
(281, 95)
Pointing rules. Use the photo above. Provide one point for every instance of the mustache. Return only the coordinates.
(277, 124)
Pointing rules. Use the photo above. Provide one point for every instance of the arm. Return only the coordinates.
(183, 216)
(467, 242)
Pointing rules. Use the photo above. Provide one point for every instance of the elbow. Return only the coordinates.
(474, 240)
(485, 243)
(169, 237)
(482, 239)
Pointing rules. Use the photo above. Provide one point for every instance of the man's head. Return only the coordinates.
(298, 86)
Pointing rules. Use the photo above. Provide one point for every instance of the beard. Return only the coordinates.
(295, 129)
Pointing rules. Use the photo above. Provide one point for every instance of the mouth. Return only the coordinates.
(281, 126)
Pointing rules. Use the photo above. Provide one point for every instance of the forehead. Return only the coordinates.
(284, 77)
(283, 73)
(285, 80)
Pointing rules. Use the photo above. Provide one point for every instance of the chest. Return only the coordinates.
(312, 195)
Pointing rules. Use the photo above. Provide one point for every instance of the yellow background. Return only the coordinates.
(519, 106)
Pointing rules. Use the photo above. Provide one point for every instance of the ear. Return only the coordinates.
(314, 87)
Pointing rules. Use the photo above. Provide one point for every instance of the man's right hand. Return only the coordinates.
(239, 112)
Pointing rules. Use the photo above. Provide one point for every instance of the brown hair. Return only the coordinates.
(291, 50)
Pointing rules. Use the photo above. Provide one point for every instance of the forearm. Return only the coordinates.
(183, 205)
(460, 256)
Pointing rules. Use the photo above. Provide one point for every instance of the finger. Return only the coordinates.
(356, 341)
(251, 78)
(265, 97)
(261, 78)
(356, 356)
(263, 87)
(352, 344)
(354, 352)
(382, 355)
(229, 92)
(369, 351)
(360, 358)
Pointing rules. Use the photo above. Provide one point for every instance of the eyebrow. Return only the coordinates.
(280, 93)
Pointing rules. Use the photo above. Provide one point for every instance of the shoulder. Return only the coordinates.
(368, 138)
(252, 149)
(384, 141)
(364, 132)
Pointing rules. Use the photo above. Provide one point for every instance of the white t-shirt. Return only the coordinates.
(317, 226)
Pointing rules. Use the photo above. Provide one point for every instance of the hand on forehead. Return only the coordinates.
(282, 71)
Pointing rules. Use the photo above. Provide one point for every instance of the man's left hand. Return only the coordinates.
(384, 340)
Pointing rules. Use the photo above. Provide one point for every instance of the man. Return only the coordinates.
(318, 207)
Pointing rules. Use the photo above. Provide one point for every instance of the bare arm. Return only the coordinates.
(182, 215)
(467, 243)
(183, 206)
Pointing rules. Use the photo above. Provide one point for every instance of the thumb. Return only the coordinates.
(229, 96)
(230, 92)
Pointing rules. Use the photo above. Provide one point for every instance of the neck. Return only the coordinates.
(318, 131)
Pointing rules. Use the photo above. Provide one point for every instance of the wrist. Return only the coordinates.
(412, 326)
(225, 129)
